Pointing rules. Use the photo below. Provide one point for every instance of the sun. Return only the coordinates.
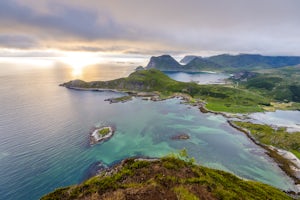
(79, 60)
(77, 71)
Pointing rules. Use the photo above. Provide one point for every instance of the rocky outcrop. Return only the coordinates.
(164, 63)
(182, 136)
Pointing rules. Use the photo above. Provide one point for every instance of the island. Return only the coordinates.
(101, 134)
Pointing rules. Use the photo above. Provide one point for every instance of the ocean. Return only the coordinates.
(44, 132)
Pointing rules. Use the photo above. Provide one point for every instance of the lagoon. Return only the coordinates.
(199, 77)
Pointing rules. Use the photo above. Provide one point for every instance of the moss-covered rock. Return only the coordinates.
(167, 178)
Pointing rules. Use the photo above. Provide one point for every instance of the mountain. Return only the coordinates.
(167, 178)
(188, 59)
(253, 61)
(164, 63)
(167, 63)
(202, 64)
(224, 62)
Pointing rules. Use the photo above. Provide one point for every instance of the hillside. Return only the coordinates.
(217, 97)
(254, 61)
(164, 63)
(168, 178)
(224, 62)
(201, 64)
(186, 59)
(280, 84)
(195, 64)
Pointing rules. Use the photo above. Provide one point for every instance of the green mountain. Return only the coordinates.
(164, 63)
(218, 97)
(168, 178)
(201, 64)
(254, 61)
(222, 62)
(167, 63)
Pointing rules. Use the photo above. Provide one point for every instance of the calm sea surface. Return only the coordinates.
(44, 132)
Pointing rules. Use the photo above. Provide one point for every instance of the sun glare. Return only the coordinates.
(77, 61)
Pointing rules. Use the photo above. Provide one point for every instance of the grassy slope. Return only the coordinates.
(168, 178)
(279, 138)
(279, 84)
(218, 97)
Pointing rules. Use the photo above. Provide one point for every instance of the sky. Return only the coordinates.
(140, 28)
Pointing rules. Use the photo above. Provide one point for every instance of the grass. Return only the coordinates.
(183, 193)
(104, 131)
(187, 182)
(278, 137)
(281, 84)
(218, 97)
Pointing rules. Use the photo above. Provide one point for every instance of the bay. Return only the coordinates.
(44, 132)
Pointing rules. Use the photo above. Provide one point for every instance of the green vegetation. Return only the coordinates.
(224, 62)
(104, 131)
(184, 194)
(279, 137)
(251, 61)
(120, 99)
(278, 84)
(218, 97)
(136, 179)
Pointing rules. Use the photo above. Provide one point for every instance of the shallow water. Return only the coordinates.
(279, 118)
(44, 133)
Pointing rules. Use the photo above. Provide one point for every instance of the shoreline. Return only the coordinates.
(281, 161)
(95, 138)
(290, 165)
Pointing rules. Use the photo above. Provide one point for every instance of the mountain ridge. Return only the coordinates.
(223, 62)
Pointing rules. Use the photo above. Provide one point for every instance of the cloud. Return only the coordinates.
(17, 41)
(134, 26)
(63, 21)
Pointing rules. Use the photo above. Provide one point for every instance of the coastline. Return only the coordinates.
(290, 164)
(283, 162)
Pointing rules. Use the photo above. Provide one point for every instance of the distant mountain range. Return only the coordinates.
(222, 62)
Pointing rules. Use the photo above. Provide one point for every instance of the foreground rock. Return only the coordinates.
(182, 136)
(167, 178)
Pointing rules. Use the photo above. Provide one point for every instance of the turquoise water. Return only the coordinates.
(44, 133)
(199, 77)
(280, 118)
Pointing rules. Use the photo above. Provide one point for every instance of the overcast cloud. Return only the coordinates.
(270, 27)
